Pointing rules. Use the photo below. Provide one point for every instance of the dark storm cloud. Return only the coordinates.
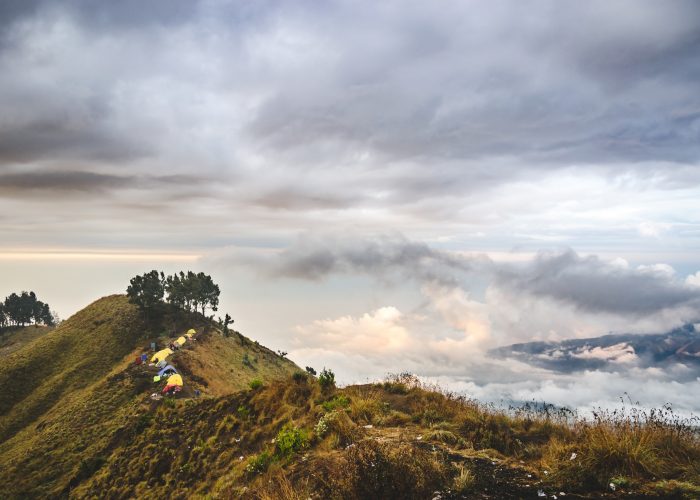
(397, 107)
(100, 15)
(550, 82)
(587, 283)
(301, 198)
(19, 183)
(65, 137)
(594, 285)
(315, 258)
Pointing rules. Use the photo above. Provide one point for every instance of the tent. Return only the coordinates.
(181, 341)
(166, 371)
(161, 355)
(191, 331)
(174, 384)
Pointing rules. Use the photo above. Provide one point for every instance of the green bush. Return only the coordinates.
(291, 440)
(326, 379)
(258, 463)
(299, 377)
(336, 402)
(256, 384)
(243, 412)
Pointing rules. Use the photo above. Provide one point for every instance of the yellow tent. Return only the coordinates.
(174, 380)
(181, 341)
(191, 331)
(161, 355)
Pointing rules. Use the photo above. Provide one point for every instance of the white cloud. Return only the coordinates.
(619, 353)
(378, 333)
(653, 229)
(693, 279)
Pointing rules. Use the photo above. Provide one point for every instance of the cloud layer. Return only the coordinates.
(434, 121)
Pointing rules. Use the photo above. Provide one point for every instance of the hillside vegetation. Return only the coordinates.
(88, 427)
(66, 395)
(14, 338)
(295, 439)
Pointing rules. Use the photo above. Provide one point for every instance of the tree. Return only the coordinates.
(207, 292)
(147, 290)
(23, 309)
(174, 287)
(224, 324)
(20, 308)
(192, 292)
(46, 316)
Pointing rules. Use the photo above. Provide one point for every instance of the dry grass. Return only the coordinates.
(633, 444)
(464, 481)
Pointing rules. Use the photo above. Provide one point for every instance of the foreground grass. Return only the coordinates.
(399, 439)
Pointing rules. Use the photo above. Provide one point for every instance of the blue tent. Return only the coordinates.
(165, 372)
(168, 370)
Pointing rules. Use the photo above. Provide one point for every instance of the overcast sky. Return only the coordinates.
(376, 186)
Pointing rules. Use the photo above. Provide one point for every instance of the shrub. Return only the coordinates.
(444, 436)
(258, 463)
(310, 371)
(339, 401)
(299, 377)
(256, 384)
(339, 427)
(326, 379)
(291, 440)
(324, 423)
(243, 412)
(246, 361)
(365, 409)
(400, 383)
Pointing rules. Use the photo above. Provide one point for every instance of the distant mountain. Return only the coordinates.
(612, 352)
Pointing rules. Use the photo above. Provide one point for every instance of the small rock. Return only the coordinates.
(419, 438)
(612, 486)
(240, 458)
(562, 494)
(541, 493)
(368, 426)
(573, 456)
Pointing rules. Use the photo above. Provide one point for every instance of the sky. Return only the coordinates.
(377, 187)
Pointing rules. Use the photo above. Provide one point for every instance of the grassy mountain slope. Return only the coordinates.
(68, 396)
(229, 364)
(13, 339)
(68, 359)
